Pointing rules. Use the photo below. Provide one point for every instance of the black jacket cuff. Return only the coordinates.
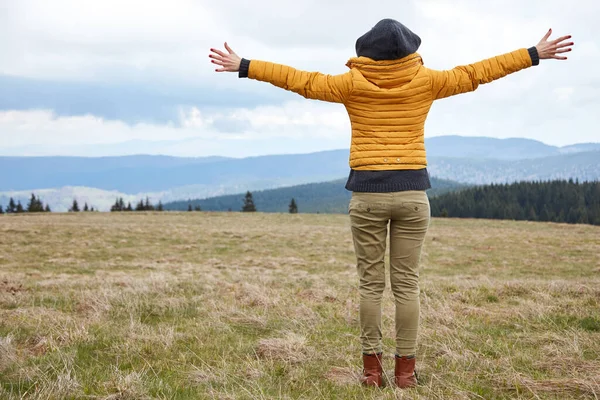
(244, 67)
(535, 57)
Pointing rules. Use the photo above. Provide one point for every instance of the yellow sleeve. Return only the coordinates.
(312, 85)
(467, 78)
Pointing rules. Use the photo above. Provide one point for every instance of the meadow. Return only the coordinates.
(265, 306)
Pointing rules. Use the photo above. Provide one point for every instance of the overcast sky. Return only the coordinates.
(112, 77)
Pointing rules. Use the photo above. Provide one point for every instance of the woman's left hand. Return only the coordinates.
(229, 62)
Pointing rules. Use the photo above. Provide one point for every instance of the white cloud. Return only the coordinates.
(42, 127)
(89, 39)
(200, 133)
(564, 94)
(118, 41)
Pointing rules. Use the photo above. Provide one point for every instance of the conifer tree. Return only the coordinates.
(75, 206)
(86, 208)
(148, 206)
(197, 208)
(35, 204)
(119, 205)
(19, 208)
(293, 207)
(1, 209)
(190, 207)
(555, 201)
(47, 209)
(160, 206)
(128, 208)
(39, 206)
(248, 203)
(12, 207)
(139, 206)
(32, 203)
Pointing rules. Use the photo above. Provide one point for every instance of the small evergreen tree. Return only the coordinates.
(148, 206)
(139, 206)
(248, 203)
(118, 206)
(12, 207)
(1, 209)
(128, 208)
(86, 208)
(293, 207)
(92, 209)
(32, 203)
(39, 206)
(74, 207)
(197, 208)
(35, 204)
(160, 206)
(47, 209)
(190, 207)
(19, 208)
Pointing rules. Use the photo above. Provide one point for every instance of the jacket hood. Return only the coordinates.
(388, 40)
(389, 74)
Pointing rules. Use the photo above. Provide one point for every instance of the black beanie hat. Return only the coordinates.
(388, 40)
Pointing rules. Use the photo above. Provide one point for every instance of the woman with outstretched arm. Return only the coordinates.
(388, 93)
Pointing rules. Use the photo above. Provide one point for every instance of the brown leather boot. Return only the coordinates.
(404, 373)
(372, 370)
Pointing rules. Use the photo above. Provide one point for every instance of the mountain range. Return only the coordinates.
(470, 160)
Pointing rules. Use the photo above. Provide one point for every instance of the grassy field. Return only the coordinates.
(265, 306)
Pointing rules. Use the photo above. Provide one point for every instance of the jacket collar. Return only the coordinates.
(358, 62)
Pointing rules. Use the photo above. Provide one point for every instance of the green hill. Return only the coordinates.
(326, 197)
(555, 201)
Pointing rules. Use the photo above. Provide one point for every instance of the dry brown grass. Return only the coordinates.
(291, 348)
(259, 306)
(8, 352)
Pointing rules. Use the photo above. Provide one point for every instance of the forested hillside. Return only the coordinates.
(556, 201)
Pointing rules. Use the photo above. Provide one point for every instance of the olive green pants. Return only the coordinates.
(407, 214)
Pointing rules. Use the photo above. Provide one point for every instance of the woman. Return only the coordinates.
(388, 93)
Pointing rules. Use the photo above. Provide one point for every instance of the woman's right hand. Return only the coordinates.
(228, 62)
(550, 49)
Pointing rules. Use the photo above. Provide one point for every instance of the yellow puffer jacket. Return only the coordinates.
(388, 101)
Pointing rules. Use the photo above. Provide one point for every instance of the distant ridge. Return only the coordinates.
(442, 146)
(168, 178)
(581, 166)
(141, 174)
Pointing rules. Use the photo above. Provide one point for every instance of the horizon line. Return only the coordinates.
(262, 155)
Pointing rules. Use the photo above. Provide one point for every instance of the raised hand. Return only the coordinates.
(550, 49)
(229, 62)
